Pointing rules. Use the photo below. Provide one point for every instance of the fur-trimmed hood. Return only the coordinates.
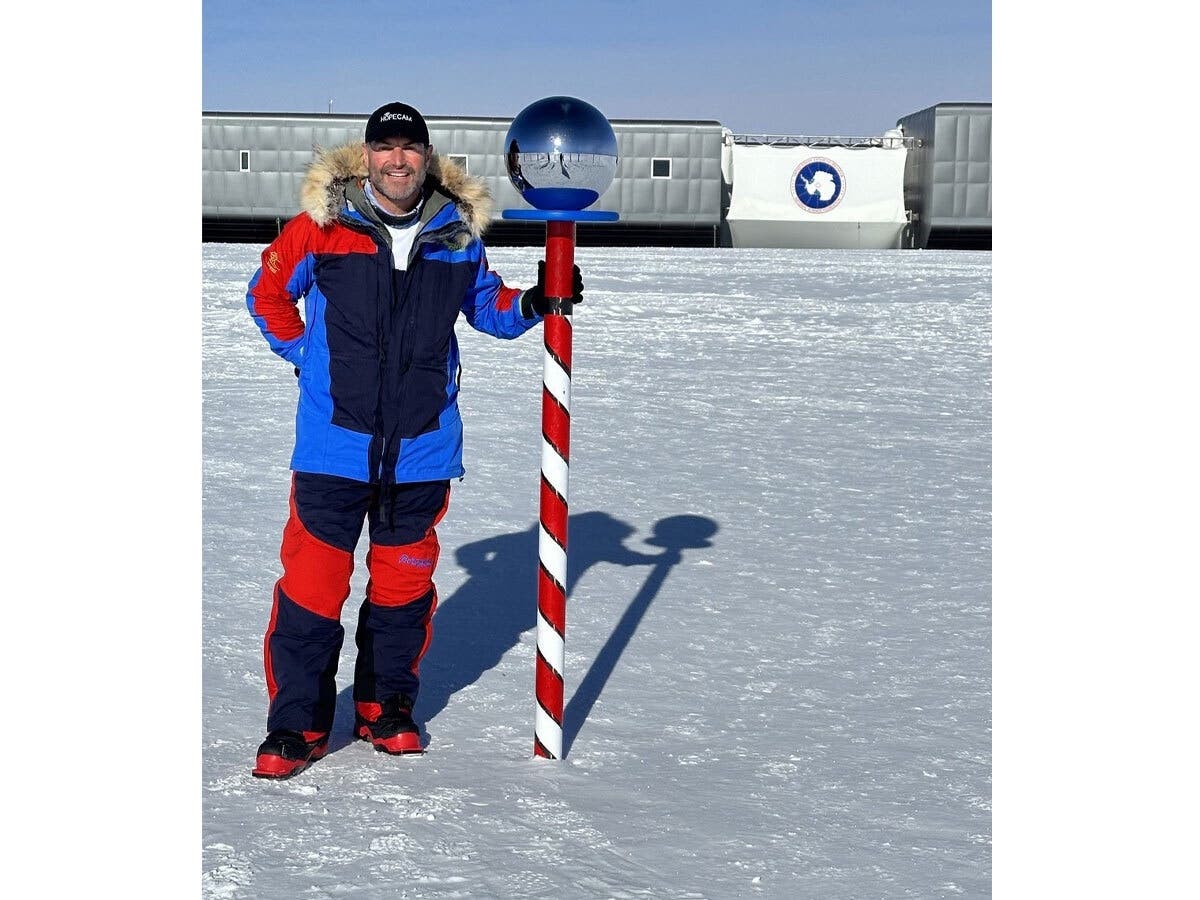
(323, 195)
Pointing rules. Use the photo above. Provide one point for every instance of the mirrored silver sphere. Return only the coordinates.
(560, 153)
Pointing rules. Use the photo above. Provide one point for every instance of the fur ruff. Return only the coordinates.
(322, 194)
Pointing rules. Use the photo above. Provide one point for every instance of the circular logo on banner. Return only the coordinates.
(818, 184)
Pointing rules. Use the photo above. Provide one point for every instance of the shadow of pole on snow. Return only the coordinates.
(674, 534)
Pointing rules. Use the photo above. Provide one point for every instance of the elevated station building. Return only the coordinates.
(948, 175)
(678, 182)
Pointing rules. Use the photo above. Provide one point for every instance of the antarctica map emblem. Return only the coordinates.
(818, 184)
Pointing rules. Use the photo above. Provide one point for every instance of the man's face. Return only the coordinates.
(396, 169)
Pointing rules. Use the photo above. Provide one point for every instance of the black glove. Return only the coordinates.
(534, 302)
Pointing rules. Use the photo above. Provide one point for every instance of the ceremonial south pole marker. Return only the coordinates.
(561, 155)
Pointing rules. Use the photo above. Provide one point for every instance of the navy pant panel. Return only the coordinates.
(302, 661)
(391, 641)
(406, 512)
(333, 508)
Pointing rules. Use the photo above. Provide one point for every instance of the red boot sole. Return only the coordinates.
(278, 768)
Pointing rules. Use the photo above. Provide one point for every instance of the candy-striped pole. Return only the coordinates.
(556, 454)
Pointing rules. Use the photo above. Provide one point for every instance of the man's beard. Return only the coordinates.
(394, 193)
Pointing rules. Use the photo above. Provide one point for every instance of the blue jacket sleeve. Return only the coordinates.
(494, 308)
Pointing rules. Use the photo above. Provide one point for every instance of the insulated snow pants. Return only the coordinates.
(304, 636)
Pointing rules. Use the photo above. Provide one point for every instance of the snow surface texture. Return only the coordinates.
(778, 629)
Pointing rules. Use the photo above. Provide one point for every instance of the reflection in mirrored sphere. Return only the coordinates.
(560, 153)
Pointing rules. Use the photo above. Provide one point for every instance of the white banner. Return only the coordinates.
(837, 196)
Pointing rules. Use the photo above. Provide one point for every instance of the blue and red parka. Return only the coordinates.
(376, 351)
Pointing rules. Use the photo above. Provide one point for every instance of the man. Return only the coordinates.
(386, 254)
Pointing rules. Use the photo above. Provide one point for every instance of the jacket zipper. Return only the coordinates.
(384, 344)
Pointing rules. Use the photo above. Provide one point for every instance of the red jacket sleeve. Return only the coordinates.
(284, 276)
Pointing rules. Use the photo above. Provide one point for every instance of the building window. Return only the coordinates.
(660, 168)
(244, 160)
(460, 160)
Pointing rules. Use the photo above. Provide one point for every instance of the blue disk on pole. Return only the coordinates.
(561, 215)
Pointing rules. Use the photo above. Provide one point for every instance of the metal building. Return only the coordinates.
(678, 182)
(948, 175)
(668, 188)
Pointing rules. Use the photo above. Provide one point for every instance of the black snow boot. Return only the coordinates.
(388, 725)
(286, 753)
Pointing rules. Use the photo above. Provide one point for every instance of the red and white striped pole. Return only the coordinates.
(561, 155)
(556, 455)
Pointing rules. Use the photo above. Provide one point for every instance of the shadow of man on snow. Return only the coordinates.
(476, 625)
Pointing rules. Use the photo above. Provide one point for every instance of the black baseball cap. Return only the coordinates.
(397, 120)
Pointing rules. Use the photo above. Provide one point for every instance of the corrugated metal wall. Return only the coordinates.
(281, 148)
(948, 178)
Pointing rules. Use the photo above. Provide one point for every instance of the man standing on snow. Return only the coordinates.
(386, 255)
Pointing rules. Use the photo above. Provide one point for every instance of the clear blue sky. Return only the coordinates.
(846, 67)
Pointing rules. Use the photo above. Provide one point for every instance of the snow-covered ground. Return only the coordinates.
(778, 631)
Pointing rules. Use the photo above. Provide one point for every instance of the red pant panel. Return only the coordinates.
(316, 575)
(402, 574)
